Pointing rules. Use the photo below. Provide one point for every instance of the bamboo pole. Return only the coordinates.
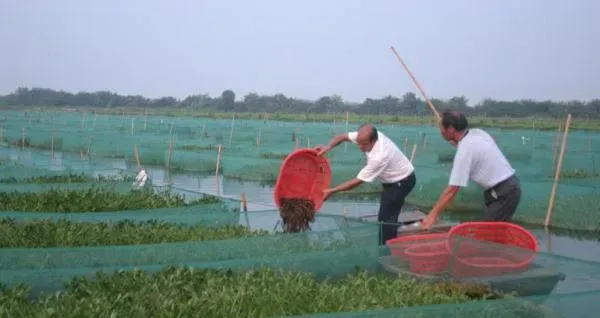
(219, 150)
(414, 79)
(231, 133)
(557, 174)
(137, 156)
(23, 139)
(244, 207)
(145, 119)
(414, 152)
(555, 148)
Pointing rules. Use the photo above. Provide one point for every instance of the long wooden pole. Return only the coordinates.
(557, 173)
(419, 87)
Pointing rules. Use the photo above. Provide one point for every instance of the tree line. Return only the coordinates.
(406, 105)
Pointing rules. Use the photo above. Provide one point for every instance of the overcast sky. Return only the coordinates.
(503, 49)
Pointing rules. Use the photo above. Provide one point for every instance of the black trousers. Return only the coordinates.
(392, 200)
(502, 200)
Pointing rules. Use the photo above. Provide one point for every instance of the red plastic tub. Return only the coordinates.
(490, 248)
(304, 175)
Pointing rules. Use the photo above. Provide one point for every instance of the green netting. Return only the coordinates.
(326, 253)
(254, 149)
(563, 306)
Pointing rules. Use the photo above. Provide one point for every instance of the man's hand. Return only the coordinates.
(322, 149)
(428, 221)
(327, 193)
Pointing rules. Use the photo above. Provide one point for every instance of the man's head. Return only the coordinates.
(453, 126)
(366, 138)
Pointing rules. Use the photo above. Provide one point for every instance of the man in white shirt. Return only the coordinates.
(386, 163)
(477, 158)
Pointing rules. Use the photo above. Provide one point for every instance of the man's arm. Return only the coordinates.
(335, 141)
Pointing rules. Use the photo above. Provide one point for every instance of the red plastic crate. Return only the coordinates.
(428, 258)
(399, 244)
(513, 250)
(304, 175)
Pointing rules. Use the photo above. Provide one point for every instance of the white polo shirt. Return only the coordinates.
(384, 162)
(478, 158)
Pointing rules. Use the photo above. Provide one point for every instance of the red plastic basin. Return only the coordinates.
(303, 175)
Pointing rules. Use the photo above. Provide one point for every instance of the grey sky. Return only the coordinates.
(504, 49)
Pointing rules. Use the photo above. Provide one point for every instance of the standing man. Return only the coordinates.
(385, 162)
(477, 158)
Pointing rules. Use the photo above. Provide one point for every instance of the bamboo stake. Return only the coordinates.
(555, 148)
(137, 156)
(132, 125)
(218, 166)
(145, 119)
(23, 139)
(405, 144)
(435, 112)
(245, 209)
(258, 138)
(231, 133)
(557, 174)
(414, 152)
(308, 141)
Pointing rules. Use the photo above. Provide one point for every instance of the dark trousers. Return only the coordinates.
(392, 200)
(502, 200)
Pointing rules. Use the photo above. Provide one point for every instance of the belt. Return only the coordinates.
(500, 183)
(385, 185)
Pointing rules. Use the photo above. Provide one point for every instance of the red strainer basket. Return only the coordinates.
(304, 175)
(490, 248)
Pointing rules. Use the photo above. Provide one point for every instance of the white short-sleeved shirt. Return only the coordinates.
(384, 162)
(478, 158)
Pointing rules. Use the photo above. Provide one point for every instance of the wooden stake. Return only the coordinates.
(23, 139)
(245, 210)
(555, 148)
(218, 166)
(258, 138)
(231, 133)
(137, 156)
(435, 112)
(414, 152)
(557, 174)
(145, 119)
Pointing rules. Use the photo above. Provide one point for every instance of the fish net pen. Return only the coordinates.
(554, 306)
(327, 253)
(253, 150)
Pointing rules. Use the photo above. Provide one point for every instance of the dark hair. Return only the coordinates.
(373, 136)
(457, 120)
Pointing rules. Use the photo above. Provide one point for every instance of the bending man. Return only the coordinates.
(477, 158)
(385, 162)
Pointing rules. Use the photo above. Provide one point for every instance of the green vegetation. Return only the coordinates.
(63, 233)
(68, 178)
(94, 200)
(185, 292)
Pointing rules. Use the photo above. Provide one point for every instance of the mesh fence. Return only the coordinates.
(253, 150)
(326, 253)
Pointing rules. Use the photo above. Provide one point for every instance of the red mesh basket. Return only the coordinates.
(304, 175)
(428, 258)
(400, 244)
(490, 248)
